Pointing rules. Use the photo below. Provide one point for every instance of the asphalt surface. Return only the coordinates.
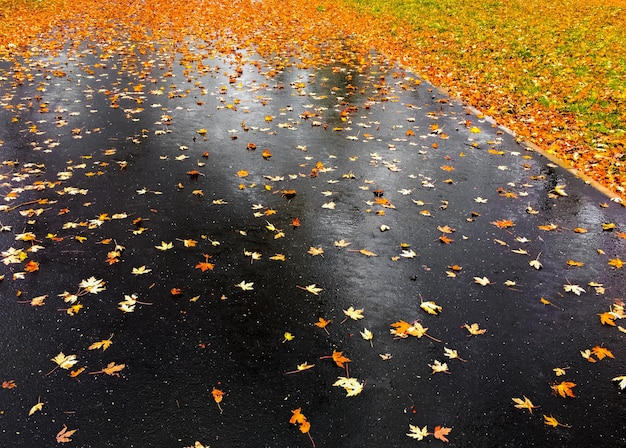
(373, 157)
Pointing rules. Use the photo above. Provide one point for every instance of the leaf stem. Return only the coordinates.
(434, 339)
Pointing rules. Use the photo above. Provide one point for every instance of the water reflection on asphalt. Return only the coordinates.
(336, 134)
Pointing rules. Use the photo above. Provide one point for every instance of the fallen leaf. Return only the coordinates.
(551, 421)
(245, 286)
(524, 404)
(35, 408)
(576, 289)
(564, 389)
(354, 314)
(602, 352)
(622, 381)
(483, 281)
(352, 386)
(103, 344)
(64, 435)
(368, 336)
(441, 432)
(165, 246)
(111, 369)
(217, 397)
(439, 367)
(141, 270)
(417, 433)
(474, 329)
(430, 307)
(316, 251)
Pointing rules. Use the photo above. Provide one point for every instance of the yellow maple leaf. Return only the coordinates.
(524, 404)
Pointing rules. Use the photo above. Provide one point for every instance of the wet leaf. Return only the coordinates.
(622, 381)
(165, 246)
(316, 251)
(313, 289)
(575, 289)
(112, 369)
(368, 336)
(441, 432)
(141, 270)
(354, 314)
(430, 307)
(418, 433)
(245, 286)
(35, 408)
(65, 361)
(288, 337)
(438, 367)
(602, 352)
(9, 384)
(524, 404)
(103, 344)
(352, 386)
(63, 436)
(474, 329)
(564, 389)
(551, 421)
(218, 395)
(482, 281)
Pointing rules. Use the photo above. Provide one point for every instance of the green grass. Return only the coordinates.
(561, 45)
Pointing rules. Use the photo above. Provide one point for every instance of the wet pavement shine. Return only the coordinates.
(125, 184)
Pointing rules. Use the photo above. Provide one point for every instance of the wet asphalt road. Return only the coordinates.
(377, 159)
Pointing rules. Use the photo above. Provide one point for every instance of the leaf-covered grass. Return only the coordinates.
(553, 71)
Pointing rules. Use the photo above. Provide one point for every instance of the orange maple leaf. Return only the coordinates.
(31, 266)
(564, 389)
(401, 328)
(503, 223)
(338, 358)
(602, 352)
(441, 432)
(607, 318)
(445, 240)
(10, 384)
(205, 266)
(323, 323)
(305, 427)
(297, 417)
